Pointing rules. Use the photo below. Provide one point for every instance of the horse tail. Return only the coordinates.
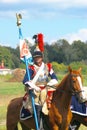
(24, 127)
(16, 128)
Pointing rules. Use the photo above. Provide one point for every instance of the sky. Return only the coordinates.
(55, 19)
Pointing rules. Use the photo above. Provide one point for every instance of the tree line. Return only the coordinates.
(60, 51)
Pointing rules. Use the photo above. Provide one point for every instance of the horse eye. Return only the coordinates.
(74, 81)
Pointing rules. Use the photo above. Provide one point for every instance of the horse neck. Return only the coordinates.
(65, 84)
(63, 90)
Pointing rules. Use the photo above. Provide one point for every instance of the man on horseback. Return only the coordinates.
(39, 80)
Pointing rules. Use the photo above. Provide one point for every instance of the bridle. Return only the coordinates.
(74, 79)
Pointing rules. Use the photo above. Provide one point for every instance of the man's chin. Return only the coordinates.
(38, 64)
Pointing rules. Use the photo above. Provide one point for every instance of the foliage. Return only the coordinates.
(77, 65)
(9, 56)
(5, 56)
(59, 67)
(22, 65)
(60, 51)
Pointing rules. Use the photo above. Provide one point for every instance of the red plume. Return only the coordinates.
(40, 42)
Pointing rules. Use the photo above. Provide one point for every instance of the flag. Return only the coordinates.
(24, 49)
(24, 52)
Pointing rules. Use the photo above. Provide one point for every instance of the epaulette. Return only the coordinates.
(49, 65)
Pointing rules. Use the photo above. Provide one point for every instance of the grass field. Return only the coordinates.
(8, 91)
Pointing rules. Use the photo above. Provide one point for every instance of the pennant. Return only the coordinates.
(24, 52)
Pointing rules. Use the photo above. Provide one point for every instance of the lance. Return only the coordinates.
(27, 61)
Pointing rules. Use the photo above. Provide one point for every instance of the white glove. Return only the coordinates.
(32, 86)
(83, 98)
(52, 82)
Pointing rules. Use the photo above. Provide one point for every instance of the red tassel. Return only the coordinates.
(40, 42)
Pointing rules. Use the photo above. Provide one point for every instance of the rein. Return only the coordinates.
(76, 92)
(73, 92)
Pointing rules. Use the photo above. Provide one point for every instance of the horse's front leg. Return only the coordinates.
(55, 127)
(12, 127)
(24, 127)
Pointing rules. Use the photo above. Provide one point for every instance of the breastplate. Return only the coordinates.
(43, 77)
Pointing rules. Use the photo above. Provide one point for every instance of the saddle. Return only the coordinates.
(25, 114)
(26, 111)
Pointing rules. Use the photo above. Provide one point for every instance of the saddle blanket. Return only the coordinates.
(78, 108)
(25, 114)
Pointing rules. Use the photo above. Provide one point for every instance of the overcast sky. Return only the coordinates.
(56, 19)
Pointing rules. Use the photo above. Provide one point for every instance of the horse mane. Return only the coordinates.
(62, 82)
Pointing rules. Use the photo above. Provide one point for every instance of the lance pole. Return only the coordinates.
(19, 17)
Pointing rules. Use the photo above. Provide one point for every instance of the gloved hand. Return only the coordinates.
(52, 82)
(32, 86)
(82, 98)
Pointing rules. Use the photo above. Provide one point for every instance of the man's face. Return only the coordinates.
(38, 60)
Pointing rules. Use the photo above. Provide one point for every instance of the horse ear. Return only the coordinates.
(69, 69)
(80, 69)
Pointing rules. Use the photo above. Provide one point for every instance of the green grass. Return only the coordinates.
(3, 127)
(10, 90)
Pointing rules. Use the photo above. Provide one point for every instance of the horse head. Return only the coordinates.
(76, 82)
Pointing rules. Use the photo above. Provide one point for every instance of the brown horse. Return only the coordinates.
(59, 116)
(13, 116)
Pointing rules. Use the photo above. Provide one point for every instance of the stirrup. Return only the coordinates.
(72, 127)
